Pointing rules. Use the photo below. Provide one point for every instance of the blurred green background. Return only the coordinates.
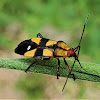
(57, 20)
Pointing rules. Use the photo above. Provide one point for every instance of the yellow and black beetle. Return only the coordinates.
(42, 47)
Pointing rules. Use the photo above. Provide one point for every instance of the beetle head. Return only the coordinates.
(71, 53)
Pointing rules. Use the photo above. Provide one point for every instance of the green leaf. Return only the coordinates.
(89, 71)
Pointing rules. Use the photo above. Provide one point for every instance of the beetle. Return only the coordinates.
(42, 47)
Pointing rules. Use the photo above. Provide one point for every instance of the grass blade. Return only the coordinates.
(89, 71)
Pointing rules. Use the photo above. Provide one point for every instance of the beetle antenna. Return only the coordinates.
(68, 75)
(84, 28)
(76, 57)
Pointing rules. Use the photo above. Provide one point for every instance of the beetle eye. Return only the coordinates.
(29, 47)
(68, 55)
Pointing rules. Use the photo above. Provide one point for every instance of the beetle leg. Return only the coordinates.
(39, 35)
(76, 48)
(69, 69)
(58, 69)
(41, 58)
(45, 58)
(30, 65)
